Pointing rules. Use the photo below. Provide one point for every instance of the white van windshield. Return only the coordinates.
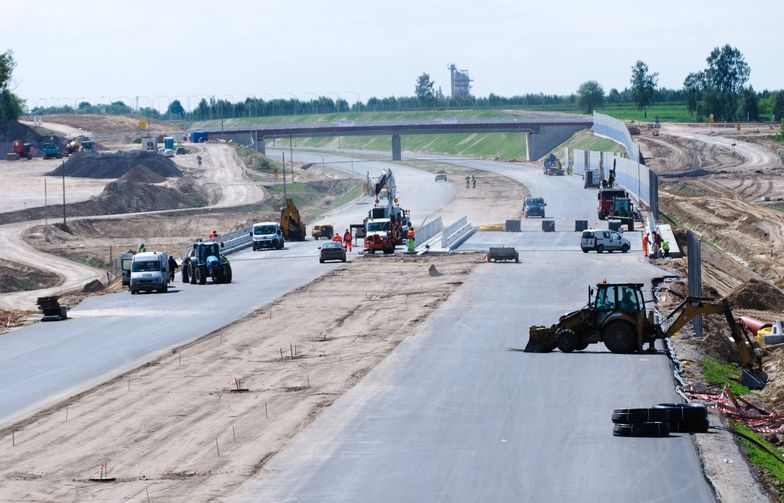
(146, 266)
(264, 229)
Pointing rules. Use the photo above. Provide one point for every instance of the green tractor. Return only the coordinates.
(205, 260)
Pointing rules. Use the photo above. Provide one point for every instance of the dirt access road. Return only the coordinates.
(720, 197)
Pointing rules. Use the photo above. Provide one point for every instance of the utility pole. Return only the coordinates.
(291, 158)
(284, 175)
(63, 169)
(46, 207)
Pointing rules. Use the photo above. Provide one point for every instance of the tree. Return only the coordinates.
(11, 106)
(643, 86)
(175, 109)
(778, 106)
(692, 88)
(424, 89)
(725, 76)
(748, 108)
(591, 95)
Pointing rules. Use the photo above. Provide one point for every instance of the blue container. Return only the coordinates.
(168, 142)
(199, 136)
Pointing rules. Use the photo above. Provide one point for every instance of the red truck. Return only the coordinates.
(606, 198)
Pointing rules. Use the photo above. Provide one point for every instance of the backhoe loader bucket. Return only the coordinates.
(540, 339)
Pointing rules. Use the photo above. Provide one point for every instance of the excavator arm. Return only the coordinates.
(691, 307)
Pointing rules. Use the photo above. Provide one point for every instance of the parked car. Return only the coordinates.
(168, 152)
(332, 250)
(533, 207)
(441, 175)
(180, 151)
(603, 240)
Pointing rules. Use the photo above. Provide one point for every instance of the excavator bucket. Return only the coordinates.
(540, 339)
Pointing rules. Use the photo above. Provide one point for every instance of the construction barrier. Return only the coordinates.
(456, 233)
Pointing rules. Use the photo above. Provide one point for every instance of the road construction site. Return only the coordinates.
(366, 375)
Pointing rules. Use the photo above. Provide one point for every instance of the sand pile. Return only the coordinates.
(758, 295)
(115, 164)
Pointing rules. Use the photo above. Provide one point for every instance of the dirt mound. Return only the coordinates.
(16, 277)
(756, 294)
(142, 174)
(120, 196)
(11, 130)
(115, 164)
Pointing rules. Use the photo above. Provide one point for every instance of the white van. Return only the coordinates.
(267, 235)
(603, 240)
(149, 271)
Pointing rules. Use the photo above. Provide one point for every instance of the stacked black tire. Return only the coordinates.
(660, 420)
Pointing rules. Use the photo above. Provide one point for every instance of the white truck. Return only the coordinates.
(149, 271)
(603, 240)
(267, 235)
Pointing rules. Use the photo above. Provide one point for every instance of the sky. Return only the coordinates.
(151, 52)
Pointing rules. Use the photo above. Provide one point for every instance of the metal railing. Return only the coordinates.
(455, 233)
(428, 230)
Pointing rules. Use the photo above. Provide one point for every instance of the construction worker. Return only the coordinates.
(657, 244)
(666, 248)
(337, 238)
(213, 235)
(172, 267)
(473, 181)
(142, 248)
(410, 239)
(645, 245)
(468, 181)
(347, 240)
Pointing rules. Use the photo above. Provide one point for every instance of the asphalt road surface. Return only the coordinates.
(43, 363)
(460, 413)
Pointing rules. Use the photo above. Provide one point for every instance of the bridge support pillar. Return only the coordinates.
(395, 147)
(261, 145)
(537, 145)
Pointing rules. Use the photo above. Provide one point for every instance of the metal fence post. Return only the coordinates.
(695, 276)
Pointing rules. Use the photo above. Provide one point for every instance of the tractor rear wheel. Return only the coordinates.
(184, 273)
(192, 271)
(619, 337)
(567, 340)
(227, 273)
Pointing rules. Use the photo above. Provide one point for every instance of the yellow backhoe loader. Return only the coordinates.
(617, 317)
(290, 222)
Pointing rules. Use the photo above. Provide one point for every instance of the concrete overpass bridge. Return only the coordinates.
(543, 131)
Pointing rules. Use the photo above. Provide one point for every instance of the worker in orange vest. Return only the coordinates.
(347, 239)
(213, 235)
(410, 236)
(336, 238)
(645, 245)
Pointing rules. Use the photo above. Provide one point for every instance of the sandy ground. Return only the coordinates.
(174, 429)
(23, 184)
(723, 201)
(221, 170)
(117, 128)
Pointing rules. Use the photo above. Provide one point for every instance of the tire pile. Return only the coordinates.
(660, 420)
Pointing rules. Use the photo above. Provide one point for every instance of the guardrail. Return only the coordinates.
(455, 233)
(236, 240)
(427, 231)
